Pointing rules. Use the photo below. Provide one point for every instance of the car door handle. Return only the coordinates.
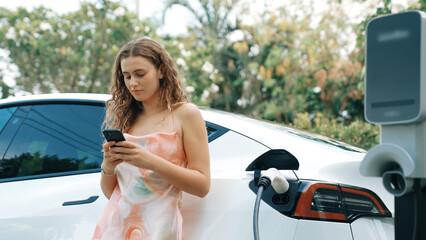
(78, 202)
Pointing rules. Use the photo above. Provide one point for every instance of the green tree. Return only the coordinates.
(357, 132)
(5, 89)
(211, 31)
(287, 63)
(73, 52)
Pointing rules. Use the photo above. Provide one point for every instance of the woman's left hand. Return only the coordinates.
(133, 154)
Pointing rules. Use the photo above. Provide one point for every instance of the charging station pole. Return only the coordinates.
(395, 99)
(410, 214)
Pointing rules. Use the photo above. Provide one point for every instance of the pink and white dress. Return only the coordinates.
(143, 205)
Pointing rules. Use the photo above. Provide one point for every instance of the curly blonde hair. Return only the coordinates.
(122, 108)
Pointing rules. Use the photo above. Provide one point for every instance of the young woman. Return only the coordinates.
(165, 152)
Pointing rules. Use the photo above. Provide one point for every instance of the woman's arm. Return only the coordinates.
(108, 184)
(196, 178)
(108, 178)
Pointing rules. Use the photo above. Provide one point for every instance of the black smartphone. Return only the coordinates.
(113, 135)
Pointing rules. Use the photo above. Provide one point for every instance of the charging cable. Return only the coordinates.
(271, 177)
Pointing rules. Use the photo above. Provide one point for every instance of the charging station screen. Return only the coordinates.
(393, 68)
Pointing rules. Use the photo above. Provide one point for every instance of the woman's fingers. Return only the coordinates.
(110, 155)
(125, 147)
(117, 150)
(116, 162)
(106, 146)
(125, 144)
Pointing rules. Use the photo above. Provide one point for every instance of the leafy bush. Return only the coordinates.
(357, 133)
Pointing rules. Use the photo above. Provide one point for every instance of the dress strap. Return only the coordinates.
(173, 119)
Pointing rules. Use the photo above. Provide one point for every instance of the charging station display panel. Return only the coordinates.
(393, 78)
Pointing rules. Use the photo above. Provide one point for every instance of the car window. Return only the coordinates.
(10, 129)
(214, 131)
(5, 115)
(54, 139)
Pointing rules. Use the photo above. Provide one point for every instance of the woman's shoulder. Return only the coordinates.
(188, 114)
(187, 109)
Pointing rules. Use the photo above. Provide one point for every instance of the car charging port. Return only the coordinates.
(271, 177)
(280, 199)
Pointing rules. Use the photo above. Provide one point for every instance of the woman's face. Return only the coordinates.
(142, 78)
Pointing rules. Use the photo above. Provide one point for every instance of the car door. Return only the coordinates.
(50, 156)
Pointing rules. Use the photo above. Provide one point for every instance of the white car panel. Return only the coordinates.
(308, 230)
(373, 229)
(73, 96)
(233, 152)
(36, 211)
(320, 158)
(227, 213)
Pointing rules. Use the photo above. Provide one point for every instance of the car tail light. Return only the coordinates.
(324, 201)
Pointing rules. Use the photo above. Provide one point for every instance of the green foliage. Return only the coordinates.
(285, 65)
(4, 88)
(73, 52)
(357, 133)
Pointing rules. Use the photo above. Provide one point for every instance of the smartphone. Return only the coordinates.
(113, 135)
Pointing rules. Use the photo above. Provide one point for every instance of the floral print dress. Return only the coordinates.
(143, 205)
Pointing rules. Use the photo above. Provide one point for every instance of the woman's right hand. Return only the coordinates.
(110, 162)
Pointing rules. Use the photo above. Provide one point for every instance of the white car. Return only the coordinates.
(50, 148)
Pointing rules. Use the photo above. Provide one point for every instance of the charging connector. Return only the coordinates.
(271, 177)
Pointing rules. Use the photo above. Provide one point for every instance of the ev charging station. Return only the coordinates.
(395, 98)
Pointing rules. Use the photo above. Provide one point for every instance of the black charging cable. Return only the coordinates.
(264, 183)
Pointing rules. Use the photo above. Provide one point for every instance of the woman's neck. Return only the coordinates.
(152, 108)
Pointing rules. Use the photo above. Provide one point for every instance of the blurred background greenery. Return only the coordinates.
(288, 63)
